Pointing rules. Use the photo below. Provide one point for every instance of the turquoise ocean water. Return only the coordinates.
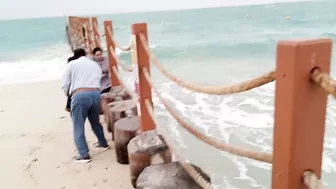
(218, 45)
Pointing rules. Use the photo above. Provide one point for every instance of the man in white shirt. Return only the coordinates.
(82, 79)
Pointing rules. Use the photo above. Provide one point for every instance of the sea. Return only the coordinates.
(223, 45)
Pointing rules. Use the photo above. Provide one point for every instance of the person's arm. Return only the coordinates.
(66, 80)
(106, 66)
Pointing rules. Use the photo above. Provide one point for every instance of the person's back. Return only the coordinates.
(85, 73)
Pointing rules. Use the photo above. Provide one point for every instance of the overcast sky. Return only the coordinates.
(10, 9)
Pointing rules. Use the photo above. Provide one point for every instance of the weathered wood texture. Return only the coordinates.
(116, 93)
(168, 176)
(125, 129)
(117, 110)
(141, 149)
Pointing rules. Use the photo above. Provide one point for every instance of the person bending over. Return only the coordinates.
(81, 79)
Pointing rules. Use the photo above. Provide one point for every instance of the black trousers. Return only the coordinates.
(69, 97)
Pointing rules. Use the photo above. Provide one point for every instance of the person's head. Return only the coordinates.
(79, 53)
(98, 54)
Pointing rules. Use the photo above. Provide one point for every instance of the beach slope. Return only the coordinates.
(37, 147)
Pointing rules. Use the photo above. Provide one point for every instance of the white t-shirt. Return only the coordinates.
(81, 73)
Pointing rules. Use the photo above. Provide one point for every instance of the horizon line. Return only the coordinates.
(154, 11)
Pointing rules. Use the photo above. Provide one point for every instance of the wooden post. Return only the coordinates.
(88, 34)
(300, 110)
(96, 35)
(146, 122)
(70, 22)
(75, 28)
(112, 60)
(125, 129)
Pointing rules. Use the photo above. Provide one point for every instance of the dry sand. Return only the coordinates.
(37, 147)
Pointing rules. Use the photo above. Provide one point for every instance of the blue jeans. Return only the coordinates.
(86, 104)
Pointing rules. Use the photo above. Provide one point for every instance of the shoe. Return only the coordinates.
(67, 109)
(79, 159)
(97, 145)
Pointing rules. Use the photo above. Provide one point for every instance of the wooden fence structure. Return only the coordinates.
(302, 86)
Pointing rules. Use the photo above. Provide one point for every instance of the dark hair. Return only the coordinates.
(96, 49)
(71, 58)
(79, 53)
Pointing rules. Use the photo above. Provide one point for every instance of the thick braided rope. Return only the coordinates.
(127, 48)
(202, 88)
(311, 180)
(260, 156)
(190, 169)
(324, 80)
(118, 61)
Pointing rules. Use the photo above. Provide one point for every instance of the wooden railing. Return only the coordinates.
(302, 86)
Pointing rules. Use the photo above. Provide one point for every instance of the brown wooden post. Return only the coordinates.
(80, 30)
(300, 110)
(71, 23)
(88, 34)
(75, 28)
(96, 35)
(145, 89)
(112, 60)
(70, 20)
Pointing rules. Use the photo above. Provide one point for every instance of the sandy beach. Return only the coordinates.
(37, 147)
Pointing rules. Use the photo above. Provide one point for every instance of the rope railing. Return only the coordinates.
(264, 157)
(324, 81)
(202, 88)
(320, 78)
(183, 162)
(128, 91)
(191, 170)
(127, 48)
(124, 67)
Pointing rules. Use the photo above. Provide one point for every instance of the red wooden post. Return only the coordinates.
(96, 35)
(79, 27)
(70, 20)
(300, 110)
(145, 89)
(72, 24)
(112, 60)
(75, 27)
